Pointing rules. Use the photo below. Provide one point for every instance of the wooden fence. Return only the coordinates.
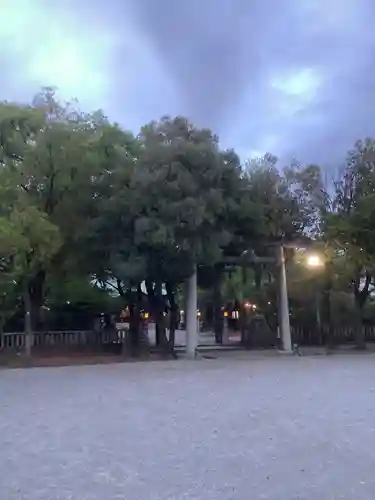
(340, 334)
(62, 340)
(90, 340)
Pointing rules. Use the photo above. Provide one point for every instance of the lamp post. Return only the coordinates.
(314, 261)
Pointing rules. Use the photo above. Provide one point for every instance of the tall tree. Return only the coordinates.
(350, 224)
(174, 210)
(27, 241)
(57, 156)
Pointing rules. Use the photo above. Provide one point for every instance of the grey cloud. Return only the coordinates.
(12, 87)
(217, 62)
(343, 110)
(223, 56)
(213, 50)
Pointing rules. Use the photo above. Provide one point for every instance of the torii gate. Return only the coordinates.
(282, 308)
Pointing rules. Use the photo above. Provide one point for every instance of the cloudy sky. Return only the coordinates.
(294, 77)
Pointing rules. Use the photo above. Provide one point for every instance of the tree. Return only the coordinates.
(84, 200)
(27, 241)
(280, 211)
(58, 157)
(350, 227)
(172, 211)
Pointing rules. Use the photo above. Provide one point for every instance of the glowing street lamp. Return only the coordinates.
(314, 261)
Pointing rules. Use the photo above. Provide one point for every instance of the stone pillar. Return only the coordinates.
(191, 316)
(283, 312)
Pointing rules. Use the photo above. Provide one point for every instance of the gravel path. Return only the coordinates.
(227, 429)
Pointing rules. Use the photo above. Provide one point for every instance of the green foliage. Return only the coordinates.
(27, 241)
(176, 206)
(80, 293)
(19, 126)
(349, 226)
(285, 202)
(81, 198)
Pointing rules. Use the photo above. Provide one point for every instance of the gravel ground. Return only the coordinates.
(237, 428)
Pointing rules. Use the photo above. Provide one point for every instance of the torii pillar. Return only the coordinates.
(191, 316)
(283, 305)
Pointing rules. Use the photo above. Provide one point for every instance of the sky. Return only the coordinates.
(292, 77)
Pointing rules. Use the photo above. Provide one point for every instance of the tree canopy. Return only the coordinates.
(83, 199)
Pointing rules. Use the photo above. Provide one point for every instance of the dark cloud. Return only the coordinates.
(225, 58)
(293, 77)
(213, 50)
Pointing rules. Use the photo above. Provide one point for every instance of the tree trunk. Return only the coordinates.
(160, 323)
(157, 330)
(156, 304)
(36, 292)
(318, 319)
(134, 303)
(218, 313)
(134, 329)
(28, 324)
(359, 335)
(172, 318)
(172, 332)
(359, 331)
(330, 339)
(360, 297)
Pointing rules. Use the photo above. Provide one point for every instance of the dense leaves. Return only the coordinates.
(85, 202)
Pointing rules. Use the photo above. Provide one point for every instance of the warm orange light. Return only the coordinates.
(225, 314)
(314, 261)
